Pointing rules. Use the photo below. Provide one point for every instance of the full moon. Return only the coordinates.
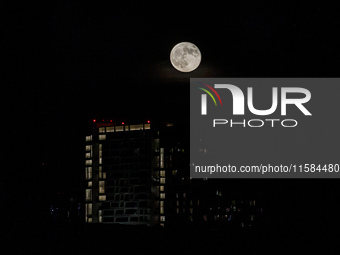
(185, 57)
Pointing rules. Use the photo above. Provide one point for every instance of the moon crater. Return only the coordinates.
(185, 57)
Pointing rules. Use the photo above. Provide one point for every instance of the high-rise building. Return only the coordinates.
(136, 173)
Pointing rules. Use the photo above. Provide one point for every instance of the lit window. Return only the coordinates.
(177, 203)
(88, 162)
(90, 184)
(251, 217)
(89, 209)
(101, 186)
(104, 175)
(184, 195)
(162, 173)
(146, 126)
(88, 147)
(162, 158)
(88, 172)
(100, 214)
(177, 210)
(88, 155)
(252, 203)
(162, 218)
(191, 202)
(161, 188)
(110, 129)
(119, 128)
(126, 127)
(161, 210)
(88, 138)
(88, 195)
(102, 137)
(102, 198)
(191, 210)
(136, 127)
(162, 180)
(162, 196)
(89, 220)
(198, 202)
(174, 172)
(102, 130)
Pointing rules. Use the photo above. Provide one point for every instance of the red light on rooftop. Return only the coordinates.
(94, 120)
(122, 123)
(148, 121)
(111, 121)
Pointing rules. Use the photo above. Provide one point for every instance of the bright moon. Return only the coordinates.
(185, 57)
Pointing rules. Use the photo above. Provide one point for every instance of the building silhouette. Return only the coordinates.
(137, 173)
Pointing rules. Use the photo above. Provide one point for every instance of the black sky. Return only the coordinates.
(67, 62)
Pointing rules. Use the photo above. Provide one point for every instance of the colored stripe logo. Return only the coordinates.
(209, 93)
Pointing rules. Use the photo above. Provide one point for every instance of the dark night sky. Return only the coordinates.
(69, 62)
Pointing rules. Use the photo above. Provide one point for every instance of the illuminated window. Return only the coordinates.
(102, 130)
(191, 202)
(162, 173)
(161, 158)
(119, 128)
(177, 210)
(100, 214)
(146, 126)
(90, 184)
(251, 217)
(89, 209)
(88, 162)
(184, 195)
(104, 175)
(191, 210)
(89, 220)
(162, 196)
(136, 127)
(102, 198)
(100, 172)
(161, 188)
(88, 172)
(177, 203)
(252, 203)
(198, 202)
(88, 147)
(174, 172)
(162, 218)
(161, 210)
(126, 128)
(102, 137)
(88, 195)
(101, 187)
(162, 225)
(110, 129)
(88, 138)
(88, 155)
(162, 180)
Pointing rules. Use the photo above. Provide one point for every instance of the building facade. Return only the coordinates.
(138, 174)
(129, 172)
